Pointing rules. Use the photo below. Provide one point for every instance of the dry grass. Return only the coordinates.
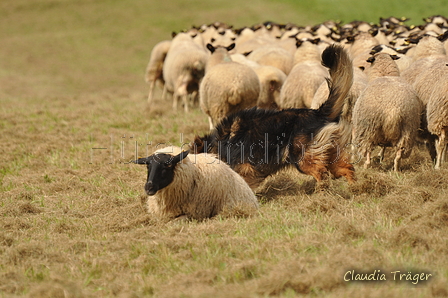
(73, 222)
(71, 219)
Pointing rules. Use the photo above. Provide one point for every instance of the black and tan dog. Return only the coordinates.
(257, 143)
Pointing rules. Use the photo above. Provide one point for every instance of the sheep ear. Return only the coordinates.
(247, 53)
(395, 57)
(315, 41)
(141, 161)
(179, 157)
(231, 47)
(211, 48)
(173, 34)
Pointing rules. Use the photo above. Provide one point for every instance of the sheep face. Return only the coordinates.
(161, 168)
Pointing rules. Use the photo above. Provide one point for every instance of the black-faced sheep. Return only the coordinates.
(196, 186)
(227, 86)
(184, 68)
(387, 113)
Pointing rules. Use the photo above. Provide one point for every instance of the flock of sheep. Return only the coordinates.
(400, 81)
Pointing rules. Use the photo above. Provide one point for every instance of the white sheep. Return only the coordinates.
(227, 86)
(195, 186)
(304, 79)
(273, 55)
(184, 68)
(387, 113)
(360, 81)
(437, 108)
(271, 81)
(154, 69)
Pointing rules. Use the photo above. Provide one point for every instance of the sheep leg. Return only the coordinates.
(397, 159)
(185, 101)
(381, 154)
(368, 161)
(444, 153)
(175, 99)
(151, 89)
(210, 122)
(440, 149)
(164, 92)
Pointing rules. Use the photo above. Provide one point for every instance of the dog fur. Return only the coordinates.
(257, 143)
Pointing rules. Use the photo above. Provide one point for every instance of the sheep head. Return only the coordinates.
(160, 170)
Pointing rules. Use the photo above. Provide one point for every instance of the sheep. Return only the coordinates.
(271, 81)
(184, 68)
(154, 70)
(403, 62)
(193, 187)
(305, 78)
(273, 55)
(437, 113)
(227, 86)
(387, 113)
(360, 81)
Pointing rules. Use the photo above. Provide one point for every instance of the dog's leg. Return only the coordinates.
(342, 168)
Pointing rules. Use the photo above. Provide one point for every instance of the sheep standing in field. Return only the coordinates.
(304, 79)
(271, 81)
(360, 81)
(184, 68)
(437, 112)
(273, 55)
(154, 70)
(387, 113)
(196, 186)
(227, 86)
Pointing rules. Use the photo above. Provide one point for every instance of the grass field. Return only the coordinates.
(73, 113)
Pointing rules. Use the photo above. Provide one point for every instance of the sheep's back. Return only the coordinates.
(228, 87)
(301, 84)
(186, 59)
(437, 108)
(216, 187)
(387, 110)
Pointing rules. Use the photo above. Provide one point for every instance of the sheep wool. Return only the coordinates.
(437, 113)
(154, 70)
(387, 113)
(203, 187)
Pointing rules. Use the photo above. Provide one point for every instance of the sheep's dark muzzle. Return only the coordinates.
(150, 189)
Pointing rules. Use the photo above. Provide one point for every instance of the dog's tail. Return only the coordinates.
(341, 72)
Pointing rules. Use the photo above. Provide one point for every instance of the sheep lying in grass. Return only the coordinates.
(196, 186)
(227, 86)
(388, 111)
(154, 70)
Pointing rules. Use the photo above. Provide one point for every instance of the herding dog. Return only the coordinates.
(257, 143)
